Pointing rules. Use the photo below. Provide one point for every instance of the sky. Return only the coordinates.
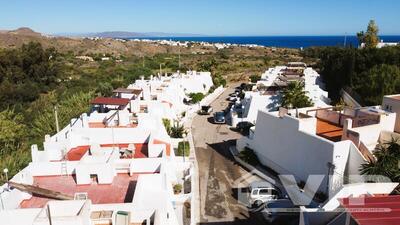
(207, 17)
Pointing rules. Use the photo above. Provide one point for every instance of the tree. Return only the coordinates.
(12, 131)
(196, 97)
(376, 82)
(387, 161)
(68, 108)
(294, 96)
(370, 37)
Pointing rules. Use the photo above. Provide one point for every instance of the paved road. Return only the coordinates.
(220, 177)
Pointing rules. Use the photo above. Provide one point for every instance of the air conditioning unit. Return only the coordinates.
(81, 196)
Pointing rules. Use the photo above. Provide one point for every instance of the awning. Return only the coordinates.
(110, 101)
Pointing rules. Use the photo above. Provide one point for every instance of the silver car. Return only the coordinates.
(260, 193)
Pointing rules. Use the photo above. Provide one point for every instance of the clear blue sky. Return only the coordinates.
(210, 17)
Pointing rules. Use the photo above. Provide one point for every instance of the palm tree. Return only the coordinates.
(295, 96)
(387, 161)
(177, 130)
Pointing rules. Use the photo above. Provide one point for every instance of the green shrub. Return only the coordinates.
(181, 146)
(254, 78)
(177, 188)
(177, 130)
(249, 156)
(196, 97)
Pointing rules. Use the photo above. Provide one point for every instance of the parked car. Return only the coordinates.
(260, 193)
(233, 98)
(280, 209)
(205, 110)
(219, 117)
(233, 94)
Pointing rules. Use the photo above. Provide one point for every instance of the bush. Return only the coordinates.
(254, 78)
(249, 156)
(181, 146)
(196, 97)
(177, 188)
(176, 131)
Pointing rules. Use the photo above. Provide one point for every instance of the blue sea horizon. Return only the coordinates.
(278, 41)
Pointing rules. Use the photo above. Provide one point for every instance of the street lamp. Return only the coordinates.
(5, 171)
(184, 140)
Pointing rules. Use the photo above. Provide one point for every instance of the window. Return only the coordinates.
(265, 192)
(254, 192)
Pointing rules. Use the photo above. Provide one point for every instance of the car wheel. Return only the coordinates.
(257, 204)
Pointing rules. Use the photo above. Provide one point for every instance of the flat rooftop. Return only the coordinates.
(120, 191)
(75, 154)
(329, 130)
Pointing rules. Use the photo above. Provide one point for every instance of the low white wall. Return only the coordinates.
(149, 165)
(329, 115)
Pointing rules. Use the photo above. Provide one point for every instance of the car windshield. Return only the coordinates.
(219, 114)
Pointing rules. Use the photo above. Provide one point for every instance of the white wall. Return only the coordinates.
(280, 145)
(393, 105)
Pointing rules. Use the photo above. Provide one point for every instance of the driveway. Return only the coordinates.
(220, 177)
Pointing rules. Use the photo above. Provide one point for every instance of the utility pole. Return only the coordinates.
(56, 117)
(179, 58)
(160, 70)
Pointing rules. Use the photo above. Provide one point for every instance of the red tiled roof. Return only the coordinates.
(109, 101)
(377, 210)
(121, 190)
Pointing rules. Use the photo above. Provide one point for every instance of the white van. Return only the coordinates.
(261, 192)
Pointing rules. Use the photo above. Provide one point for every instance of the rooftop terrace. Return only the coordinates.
(75, 154)
(121, 190)
(329, 130)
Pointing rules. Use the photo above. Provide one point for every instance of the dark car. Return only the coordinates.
(205, 110)
(280, 208)
(219, 117)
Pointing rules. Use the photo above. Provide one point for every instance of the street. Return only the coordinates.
(220, 176)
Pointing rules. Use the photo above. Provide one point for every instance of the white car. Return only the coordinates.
(233, 98)
(260, 193)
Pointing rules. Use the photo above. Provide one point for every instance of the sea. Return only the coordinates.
(279, 41)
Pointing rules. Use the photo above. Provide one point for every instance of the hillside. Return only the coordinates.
(235, 63)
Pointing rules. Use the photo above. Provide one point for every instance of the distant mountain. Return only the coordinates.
(126, 34)
(23, 31)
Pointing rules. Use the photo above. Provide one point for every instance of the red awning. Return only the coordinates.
(128, 91)
(110, 101)
(382, 210)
